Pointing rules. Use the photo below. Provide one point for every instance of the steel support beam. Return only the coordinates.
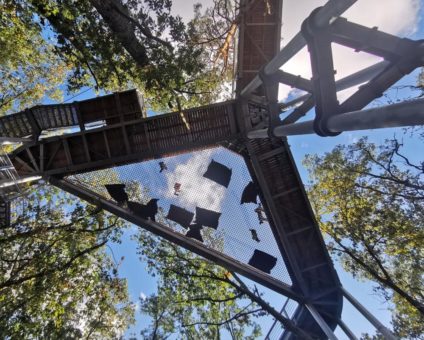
(347, 82)
(347, 330)
(402, 114)
(333, 8)
(377, 324)
(179, 239)
(321, 322)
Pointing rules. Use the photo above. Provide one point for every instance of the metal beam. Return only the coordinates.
(377, 324)
(12, 140)
(347, 330)
(179, 239)
(321, 322)
(333, 8)
(402, 114)
(349, 81)
(8, 183)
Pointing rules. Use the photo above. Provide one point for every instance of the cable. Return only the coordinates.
(77, 95)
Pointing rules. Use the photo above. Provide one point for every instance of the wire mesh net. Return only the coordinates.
(180, 181)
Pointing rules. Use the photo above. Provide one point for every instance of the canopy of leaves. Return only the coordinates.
(195, 298)
(30, 70)
(370, 201)
(113, 45)
(56, 280)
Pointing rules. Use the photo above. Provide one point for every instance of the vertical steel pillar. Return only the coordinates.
(371, 318)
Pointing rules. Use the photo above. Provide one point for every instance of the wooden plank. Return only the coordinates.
(33, 161)
(106, 144)
(86, 149)
(54, 153)
(67, 151)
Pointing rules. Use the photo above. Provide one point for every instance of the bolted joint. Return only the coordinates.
(310, 28)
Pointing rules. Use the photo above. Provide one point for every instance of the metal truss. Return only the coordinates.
(319, 31)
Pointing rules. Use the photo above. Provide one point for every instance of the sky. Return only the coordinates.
(400, 17)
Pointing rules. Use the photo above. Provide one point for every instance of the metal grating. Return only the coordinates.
(233, 237)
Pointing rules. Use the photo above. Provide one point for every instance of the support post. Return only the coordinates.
(377, 324)
(7, 183)
(321, 322)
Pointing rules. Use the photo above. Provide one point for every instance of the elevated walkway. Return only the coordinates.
(110, 109)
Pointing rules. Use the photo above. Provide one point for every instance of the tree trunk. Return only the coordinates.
(116, 17)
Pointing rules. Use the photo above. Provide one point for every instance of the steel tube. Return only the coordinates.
(321, 322)
(347, 330)
(377, 324)
(408, 113)
(351, 80)
(402, 114)
(11, 140)
(332, 8)
(8, 183)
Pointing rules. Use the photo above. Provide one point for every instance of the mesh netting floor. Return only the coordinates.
(181, 183)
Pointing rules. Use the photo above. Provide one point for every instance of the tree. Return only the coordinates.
(114, 45)
(370, 200)
(198, 299)
(29, 69)
(56, 279)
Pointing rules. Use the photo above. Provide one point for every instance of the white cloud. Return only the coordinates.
(196, 190)
(142, 296)
(399, 17)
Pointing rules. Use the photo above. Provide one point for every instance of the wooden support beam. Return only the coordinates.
(67, 151)
(25, 164)
(109, 155)
(42, 160)
(53, 154)
(286, 192)
(86, 148)
(301, 230)
(32, 159)
(307, 269)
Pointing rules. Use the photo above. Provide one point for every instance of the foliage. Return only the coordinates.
(369, 200)
(113, 45)
(29, 69)
(195, 298)
(198, 299)
(56, 280)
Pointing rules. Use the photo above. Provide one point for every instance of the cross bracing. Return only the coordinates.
(113, 132)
